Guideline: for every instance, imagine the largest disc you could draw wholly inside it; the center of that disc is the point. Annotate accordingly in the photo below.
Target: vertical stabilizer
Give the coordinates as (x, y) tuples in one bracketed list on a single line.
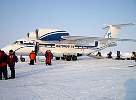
[(112, 30)]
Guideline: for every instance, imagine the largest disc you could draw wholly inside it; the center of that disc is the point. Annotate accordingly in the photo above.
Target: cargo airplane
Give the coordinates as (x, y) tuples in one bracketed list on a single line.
[(64, 46)]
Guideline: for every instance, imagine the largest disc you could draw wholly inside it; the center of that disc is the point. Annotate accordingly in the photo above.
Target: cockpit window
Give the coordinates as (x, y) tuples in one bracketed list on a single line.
[(18, 42), (21, 42)]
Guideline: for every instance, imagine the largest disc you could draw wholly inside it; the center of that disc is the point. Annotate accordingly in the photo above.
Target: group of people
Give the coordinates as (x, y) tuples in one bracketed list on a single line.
[(10, 60), (118, 57), (48, 56), (7, 60)]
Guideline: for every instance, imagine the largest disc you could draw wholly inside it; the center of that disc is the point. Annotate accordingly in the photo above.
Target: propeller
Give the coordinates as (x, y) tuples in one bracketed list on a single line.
[(36, 32), (28, 34)]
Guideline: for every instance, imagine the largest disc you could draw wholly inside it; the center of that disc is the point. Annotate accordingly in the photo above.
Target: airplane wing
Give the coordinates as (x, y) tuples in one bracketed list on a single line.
[(87, 40), (75, 38), (119, 25), (117, 39), (132, 40), (81, 39)]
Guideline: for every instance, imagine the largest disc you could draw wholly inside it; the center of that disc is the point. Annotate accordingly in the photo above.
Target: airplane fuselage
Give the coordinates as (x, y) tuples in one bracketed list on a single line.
[(62, 44)]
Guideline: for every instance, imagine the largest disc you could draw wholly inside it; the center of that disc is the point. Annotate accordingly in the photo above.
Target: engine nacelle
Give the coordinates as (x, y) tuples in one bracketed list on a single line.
[(47, 34)]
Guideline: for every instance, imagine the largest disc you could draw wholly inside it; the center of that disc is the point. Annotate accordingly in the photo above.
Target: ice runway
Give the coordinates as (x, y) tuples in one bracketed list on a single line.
[(85, 79)]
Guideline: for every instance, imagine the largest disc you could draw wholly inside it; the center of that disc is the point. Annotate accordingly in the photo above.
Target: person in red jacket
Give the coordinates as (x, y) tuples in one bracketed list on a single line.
[(12, 59), (32, 57), (48, 56), (3, 65)]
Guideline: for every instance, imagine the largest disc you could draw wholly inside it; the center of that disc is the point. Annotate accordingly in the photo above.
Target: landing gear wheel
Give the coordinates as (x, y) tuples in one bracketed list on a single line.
[(57, 58), (63, 58), (68, 58), (74, 58)]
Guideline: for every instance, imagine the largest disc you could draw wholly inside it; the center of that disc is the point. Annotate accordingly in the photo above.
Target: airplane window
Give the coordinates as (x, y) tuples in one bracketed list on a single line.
[(18, 42), (57, 45), (68, 46), (72, 46)]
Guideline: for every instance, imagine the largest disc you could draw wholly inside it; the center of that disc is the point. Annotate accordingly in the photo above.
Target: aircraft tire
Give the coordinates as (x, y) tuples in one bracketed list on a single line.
[(63, 58), (68, 58), (57, 58), (74, 58)]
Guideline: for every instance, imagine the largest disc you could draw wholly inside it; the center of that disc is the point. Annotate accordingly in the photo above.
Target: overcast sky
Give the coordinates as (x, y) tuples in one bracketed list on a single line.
[(78, 17)]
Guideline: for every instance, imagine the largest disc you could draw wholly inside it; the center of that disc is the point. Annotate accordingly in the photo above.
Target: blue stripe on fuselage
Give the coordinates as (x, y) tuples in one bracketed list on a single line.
[(54, 36)]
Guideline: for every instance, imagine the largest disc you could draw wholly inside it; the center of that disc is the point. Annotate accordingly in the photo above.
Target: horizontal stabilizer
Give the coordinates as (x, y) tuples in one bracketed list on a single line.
[(131, 40), (112, 30), (119, 25)]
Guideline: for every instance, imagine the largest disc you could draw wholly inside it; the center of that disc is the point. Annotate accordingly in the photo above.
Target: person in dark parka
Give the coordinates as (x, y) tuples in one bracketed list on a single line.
[(12, 59), (48, 56), (109, 55), (3, 65)]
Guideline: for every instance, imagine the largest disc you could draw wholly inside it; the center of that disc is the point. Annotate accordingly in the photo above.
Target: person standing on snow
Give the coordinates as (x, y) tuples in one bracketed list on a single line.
[(133, 57), (99, 54), (48, 56), (109, 55), (12, 59), (32, 57), (3, 65)]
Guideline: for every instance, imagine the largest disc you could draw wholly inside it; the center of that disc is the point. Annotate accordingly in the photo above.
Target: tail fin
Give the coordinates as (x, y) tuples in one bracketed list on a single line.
[(112, 30)]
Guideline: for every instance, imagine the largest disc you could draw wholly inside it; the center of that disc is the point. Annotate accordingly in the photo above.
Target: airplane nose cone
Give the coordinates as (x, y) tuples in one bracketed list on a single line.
[(10, 47), (7, 48)]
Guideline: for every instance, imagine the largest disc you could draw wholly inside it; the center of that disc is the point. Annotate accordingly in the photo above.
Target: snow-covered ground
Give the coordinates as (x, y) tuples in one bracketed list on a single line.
[(85, 79)]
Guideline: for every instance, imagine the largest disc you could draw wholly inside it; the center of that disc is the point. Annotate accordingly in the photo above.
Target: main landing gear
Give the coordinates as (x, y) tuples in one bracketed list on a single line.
[(68, 58)]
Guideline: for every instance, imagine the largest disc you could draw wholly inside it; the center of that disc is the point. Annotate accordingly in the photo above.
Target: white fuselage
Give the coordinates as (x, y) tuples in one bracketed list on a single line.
[(59, 42), (57, 49)]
